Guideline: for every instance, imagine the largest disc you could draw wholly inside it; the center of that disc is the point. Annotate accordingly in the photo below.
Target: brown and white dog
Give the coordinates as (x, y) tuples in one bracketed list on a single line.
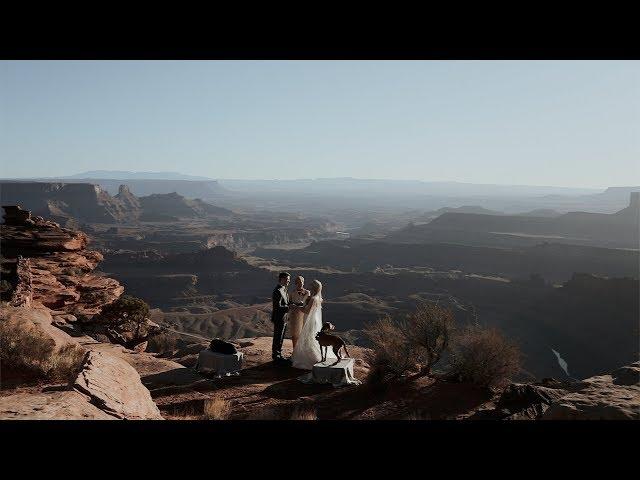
[(327, 340)]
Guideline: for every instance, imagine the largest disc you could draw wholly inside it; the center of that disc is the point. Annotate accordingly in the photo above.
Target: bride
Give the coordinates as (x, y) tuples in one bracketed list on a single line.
[(307, 350)]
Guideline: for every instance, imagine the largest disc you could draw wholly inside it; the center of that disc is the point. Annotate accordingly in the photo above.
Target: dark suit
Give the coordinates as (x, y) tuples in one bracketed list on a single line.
[(280, 304)]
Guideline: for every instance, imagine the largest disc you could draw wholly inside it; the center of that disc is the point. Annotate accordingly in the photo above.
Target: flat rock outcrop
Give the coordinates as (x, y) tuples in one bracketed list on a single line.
[(107, 386), (615, 396), (605, 397), (114, 386), (51, 405), (521, 401)]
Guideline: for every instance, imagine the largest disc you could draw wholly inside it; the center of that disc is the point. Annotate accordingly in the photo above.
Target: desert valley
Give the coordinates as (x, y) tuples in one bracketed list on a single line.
[(555, 270)]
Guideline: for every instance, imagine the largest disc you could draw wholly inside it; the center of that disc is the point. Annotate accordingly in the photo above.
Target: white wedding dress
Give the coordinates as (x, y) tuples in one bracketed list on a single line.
[(307, 352)]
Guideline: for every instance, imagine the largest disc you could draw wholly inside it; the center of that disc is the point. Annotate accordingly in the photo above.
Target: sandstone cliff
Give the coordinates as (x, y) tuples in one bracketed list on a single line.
[(88, 202), (51, 266), (48, 283)]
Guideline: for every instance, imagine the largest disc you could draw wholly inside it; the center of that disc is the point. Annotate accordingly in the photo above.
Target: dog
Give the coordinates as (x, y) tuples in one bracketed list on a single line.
[(327, 340)]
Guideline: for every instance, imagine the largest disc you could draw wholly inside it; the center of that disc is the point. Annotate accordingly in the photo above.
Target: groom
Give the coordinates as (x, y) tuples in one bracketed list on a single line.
[(280, 301)]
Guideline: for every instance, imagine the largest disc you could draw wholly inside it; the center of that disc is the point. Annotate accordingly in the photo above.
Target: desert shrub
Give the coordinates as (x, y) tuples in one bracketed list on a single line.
[(484, 356), (23, 346), (304, 413), (429, 329), (165, 342), (217, 409), (188, 412), (26, 349), (392, 354), (96, 296)]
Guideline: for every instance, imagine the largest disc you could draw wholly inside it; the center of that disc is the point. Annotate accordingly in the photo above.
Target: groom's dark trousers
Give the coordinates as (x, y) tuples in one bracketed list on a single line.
[(280, 304)]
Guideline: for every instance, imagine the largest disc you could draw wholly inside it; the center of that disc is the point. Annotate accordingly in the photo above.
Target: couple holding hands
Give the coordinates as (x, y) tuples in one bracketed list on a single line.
[(300, 309)]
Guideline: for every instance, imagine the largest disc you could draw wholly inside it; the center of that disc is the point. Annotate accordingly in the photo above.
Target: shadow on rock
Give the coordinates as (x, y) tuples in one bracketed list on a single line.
[(293, 389)]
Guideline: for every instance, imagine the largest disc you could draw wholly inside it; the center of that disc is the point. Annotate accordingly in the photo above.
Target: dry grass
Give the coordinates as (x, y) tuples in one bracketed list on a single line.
[(304, 413), (188, 412), (163, 343), (417, 415), (66, 362), (485, 357), (26, 349), (216, 409)]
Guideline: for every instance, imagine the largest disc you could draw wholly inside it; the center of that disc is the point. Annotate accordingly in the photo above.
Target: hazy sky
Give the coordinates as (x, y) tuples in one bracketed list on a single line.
[(539, 123)]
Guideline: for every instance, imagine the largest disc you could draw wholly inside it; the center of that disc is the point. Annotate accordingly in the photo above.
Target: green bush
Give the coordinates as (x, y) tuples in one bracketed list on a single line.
[(126, 308)]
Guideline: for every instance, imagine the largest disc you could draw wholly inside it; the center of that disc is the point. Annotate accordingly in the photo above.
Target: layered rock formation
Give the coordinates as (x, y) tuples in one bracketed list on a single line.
[(85, 202), (54, 269), (53, 266), (157, 207), (64, 201), (140, 187)]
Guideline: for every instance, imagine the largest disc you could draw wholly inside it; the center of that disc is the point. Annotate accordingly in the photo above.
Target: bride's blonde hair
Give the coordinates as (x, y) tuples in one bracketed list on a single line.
[(316, 286)]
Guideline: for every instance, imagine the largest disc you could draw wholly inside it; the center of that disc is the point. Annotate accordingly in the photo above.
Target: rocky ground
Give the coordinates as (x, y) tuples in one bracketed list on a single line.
[(162, 388)]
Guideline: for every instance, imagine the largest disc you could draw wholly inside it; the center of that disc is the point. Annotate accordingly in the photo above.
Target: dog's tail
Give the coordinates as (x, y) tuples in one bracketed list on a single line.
[(345, 350)]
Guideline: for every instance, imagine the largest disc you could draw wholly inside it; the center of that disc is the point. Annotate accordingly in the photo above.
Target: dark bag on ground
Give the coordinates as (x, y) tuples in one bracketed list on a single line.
[(220, 346)]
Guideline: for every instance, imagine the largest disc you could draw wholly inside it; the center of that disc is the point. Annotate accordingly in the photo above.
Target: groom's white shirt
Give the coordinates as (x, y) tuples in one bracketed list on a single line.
[(284, 293)]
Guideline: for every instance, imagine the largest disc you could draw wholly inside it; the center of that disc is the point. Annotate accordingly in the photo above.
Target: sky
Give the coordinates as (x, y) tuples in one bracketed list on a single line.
[(560, 123)]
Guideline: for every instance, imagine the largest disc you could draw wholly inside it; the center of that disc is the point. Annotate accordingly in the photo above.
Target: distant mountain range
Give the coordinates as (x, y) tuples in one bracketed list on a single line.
[(203, 189), (323, 196), (125, 175), (366, 187), (352, 186)]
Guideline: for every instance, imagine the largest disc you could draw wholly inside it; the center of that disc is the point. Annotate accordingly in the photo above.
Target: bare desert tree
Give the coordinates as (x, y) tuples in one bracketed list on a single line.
[(429, 329)]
